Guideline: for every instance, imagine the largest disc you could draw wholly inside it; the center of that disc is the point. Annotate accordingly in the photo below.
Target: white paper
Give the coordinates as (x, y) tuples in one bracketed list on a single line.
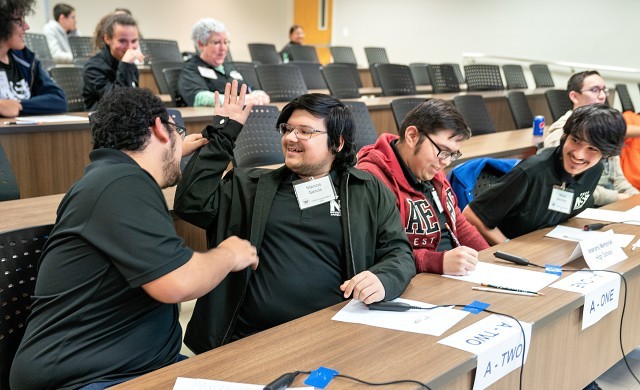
[(433, 322), (51, 119), (209, 384), (601, 252), (602, 215), (511, 277), (574, 234), (498, 343)]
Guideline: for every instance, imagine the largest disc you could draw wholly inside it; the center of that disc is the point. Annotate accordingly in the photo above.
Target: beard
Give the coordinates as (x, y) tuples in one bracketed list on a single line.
[(170, 167)]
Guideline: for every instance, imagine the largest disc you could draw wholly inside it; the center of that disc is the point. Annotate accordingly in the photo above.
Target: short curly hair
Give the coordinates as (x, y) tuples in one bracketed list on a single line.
[(123, 118), (202, 30), (9, 10)]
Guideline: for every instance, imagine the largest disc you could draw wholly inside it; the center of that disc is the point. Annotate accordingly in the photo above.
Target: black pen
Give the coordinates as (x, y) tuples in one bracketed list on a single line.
[(453, 236)]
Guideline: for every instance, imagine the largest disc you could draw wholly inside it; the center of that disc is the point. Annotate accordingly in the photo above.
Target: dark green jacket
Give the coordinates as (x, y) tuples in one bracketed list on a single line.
[(239, 205)]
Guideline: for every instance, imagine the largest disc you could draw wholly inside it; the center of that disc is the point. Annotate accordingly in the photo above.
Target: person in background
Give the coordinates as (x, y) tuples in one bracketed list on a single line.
[(25, 87), (586, 88), (411, 165), (553, 185), (98, 33), (296, 37), (207, 73), (114, 66), (58, 30)]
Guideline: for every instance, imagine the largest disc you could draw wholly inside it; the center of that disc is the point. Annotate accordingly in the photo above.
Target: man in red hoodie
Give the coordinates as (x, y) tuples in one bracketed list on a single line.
[(411, 165)]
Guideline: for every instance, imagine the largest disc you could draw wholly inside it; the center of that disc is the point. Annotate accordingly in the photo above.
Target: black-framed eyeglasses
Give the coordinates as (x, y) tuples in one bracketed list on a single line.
[(596, 90), (19, 21), (220, 42), (301, 132), (445, 154), (181, 130)]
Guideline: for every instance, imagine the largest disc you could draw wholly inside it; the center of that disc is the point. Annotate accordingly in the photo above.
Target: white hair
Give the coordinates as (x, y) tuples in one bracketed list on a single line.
[(203, 29)]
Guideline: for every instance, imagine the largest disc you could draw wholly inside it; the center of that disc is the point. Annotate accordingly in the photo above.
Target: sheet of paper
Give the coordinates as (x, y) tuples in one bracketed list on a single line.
[(51, 119), (433, 322), (209, 384), (602, 215), (499, 275), (574, 234)]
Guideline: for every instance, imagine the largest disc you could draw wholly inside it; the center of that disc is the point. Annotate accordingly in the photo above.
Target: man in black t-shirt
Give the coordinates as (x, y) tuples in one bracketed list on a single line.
[(554, 185)]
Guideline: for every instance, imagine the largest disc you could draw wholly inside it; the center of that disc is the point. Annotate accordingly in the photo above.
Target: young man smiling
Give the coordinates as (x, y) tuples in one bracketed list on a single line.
[(554, 185)]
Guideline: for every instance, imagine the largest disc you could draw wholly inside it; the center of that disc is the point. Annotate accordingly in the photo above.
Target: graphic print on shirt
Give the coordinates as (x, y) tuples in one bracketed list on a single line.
[(450, 197), (334, 208), (18, 90), (422, 220), (581, 200)]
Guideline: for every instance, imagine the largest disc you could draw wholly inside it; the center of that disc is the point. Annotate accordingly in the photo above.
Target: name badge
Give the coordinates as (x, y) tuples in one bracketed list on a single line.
[(236, 75), (207, 73), (314, 192), (561, 199)]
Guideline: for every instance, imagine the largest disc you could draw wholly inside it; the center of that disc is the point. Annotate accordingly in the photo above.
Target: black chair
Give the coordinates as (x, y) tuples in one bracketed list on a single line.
[(443, 78), (9, 189), (311, 74), (514, 76), (264, 53), (248, 72), (456, 70), (541, 75), (375, 79), (160, 50), (366, 133), (69, 78), (259, 143), (401, 107), (281, 82), (559, 102), (420, 73), (81, 48), (343, 54), (395, 80), (156, 69), (376, 55), (482, 77), (304, 53), (475, 113), (20, 251), (171, 77), (37, 43), (340, 81), (625, 98), (520, 109)]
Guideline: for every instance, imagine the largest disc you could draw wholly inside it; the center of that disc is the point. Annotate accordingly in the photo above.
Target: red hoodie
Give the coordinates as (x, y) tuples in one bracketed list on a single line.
[(380, 160)]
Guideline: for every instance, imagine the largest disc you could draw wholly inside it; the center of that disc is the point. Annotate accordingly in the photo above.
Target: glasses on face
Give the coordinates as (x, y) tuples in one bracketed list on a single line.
[(301, 132), (19, 21), (445, 154), (181, 130), (596, 90), (220, 42)]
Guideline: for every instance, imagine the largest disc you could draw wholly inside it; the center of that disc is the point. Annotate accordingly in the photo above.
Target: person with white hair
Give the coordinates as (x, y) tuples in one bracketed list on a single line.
[(207, 72)]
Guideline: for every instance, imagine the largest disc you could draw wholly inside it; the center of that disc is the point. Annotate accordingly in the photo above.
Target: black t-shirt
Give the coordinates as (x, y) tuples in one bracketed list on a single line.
[(91, 319), (13, 85), (518, 203), (301, 263)]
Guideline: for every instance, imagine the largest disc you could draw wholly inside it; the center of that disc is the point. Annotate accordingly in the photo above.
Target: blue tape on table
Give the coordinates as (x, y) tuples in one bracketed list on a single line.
[(321, 377), (475, 307), (553, 269)]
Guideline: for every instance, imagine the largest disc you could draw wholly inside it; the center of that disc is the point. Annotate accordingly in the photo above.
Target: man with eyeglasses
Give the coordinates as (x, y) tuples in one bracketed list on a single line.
[(553, 185), (411, 164), (586, 88), (325, 231), (25, 87)]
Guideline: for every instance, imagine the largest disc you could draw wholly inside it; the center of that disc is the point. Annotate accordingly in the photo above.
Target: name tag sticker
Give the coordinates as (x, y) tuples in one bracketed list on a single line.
[(207, 73), (314, 192), (236, 75), (561, 199)]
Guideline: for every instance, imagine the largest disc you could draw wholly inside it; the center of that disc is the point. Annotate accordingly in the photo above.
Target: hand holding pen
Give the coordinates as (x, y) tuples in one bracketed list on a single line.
[(461, 259)]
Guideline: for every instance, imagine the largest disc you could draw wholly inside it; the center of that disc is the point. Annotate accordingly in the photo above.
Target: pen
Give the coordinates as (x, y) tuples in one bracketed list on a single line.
[(21, 123), (453, 236), (510, 289), (497, 290)]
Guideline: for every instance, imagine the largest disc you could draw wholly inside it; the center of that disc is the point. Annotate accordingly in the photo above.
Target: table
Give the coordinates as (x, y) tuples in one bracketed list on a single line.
[(561, 355)]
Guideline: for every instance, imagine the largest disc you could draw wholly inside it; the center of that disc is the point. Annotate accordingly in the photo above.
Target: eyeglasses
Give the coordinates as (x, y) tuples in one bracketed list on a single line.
[(301, 132), (445, 154), (19, 21), (596, 90), (218, 43), (181, 130)]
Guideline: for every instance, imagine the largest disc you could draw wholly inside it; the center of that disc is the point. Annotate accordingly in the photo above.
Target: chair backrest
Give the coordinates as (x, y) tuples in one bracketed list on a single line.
[(69, 78), (514, 76), (281, 82), (366, 133), (475, 113), (9, 189), (248, 72), (259, 143), (81, 48), (395, 80), (311, 74), (401, 107), (343, 54), (20, 251), (376, 55), (160, 50), (37, 43), (520, 109), (156, 69), (541, 75), (559, 102), (475, 176), (264, 53), (458, 72), (443, 78), (339, 79), (420, 73), (375, 79), (625, 98), (171, 77), (304, 53), (483, 77)]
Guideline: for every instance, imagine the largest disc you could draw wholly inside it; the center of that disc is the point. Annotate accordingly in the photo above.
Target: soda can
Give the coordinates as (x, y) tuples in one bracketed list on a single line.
[(538, 126)]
